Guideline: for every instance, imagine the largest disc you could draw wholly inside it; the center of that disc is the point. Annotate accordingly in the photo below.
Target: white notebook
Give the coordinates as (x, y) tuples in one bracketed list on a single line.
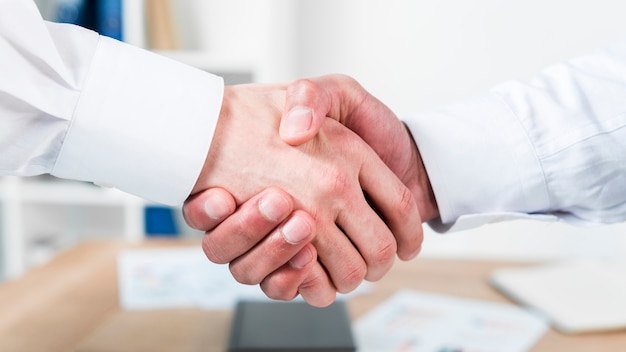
[(576, 296)]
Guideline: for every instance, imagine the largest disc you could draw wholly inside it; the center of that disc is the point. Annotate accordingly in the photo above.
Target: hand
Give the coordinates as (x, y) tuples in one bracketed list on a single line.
[(310, 101), (326, 176), (263, 221)]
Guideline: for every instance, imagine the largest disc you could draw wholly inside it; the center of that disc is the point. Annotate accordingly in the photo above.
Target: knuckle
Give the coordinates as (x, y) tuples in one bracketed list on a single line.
[(350, 84), (336, 182), (351, 278), (342, 78), (317, 290), (382, 260), (385, 253), (312, 283), (407, 205), (306, 87)]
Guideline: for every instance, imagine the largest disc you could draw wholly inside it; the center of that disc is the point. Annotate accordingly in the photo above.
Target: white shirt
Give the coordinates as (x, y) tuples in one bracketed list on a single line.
[(555, 145), (85, 107)]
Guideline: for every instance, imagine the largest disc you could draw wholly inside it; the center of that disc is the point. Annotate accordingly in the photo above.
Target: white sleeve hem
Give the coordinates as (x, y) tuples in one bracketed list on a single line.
[(471, 221)]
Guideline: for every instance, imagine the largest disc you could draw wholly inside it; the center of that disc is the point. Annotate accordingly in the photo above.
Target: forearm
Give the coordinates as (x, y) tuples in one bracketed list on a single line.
[(555, 145), (89, 108)]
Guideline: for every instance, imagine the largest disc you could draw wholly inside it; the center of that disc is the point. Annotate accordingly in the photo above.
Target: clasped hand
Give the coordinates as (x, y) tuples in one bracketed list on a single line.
[(306, 205)]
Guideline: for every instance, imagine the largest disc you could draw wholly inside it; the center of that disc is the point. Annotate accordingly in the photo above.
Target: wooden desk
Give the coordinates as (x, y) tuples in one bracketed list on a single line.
[(71, 304)]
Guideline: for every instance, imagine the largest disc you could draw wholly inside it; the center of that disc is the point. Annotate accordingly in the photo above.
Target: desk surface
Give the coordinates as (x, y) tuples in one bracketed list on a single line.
[(71, 304)]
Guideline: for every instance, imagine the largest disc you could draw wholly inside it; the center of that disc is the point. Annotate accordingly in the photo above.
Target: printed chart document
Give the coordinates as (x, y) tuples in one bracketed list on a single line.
[(177, 278), (181, 277), (577, 295), (413, 321)]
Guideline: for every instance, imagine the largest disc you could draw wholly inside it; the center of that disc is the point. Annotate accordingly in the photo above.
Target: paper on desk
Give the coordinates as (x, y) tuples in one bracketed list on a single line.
[(576, 295), (179, 278), (412, 321)]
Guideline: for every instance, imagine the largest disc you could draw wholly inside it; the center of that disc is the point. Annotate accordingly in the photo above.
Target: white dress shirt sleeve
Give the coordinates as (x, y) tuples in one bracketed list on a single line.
[(550, 148), (85, 107)]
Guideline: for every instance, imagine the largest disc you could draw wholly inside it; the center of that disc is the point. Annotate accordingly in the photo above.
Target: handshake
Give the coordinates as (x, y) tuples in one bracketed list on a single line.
[(309, 188)]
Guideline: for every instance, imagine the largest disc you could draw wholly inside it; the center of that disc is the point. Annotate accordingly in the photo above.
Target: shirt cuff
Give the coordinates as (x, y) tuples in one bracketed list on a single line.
[(143, 124), (471, 221), (479, 161)]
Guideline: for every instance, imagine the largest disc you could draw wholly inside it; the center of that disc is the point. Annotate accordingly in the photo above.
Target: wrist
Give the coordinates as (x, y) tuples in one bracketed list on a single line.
[(422, 188), (427, 204)]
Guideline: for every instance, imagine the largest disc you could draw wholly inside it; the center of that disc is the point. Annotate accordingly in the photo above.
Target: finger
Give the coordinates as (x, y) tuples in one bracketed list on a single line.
[(371, 236), (395, 203), (283, 283), (207, 209), (310, 100), (252, 221), (311, 282), (275, 250), (342, 98), (317, 289), (306, 107), (343, 262)]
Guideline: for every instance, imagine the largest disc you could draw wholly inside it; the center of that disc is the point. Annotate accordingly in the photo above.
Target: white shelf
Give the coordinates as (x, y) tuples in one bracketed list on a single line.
[(214, 62), (234, 70), (69, 192), (17, 193)]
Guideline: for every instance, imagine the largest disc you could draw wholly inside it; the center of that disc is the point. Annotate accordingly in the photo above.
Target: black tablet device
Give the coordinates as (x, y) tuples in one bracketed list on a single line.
[(290, 326)]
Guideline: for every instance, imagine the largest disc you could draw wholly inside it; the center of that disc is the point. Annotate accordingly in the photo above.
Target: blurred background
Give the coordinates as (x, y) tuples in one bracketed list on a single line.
[(412, 54)]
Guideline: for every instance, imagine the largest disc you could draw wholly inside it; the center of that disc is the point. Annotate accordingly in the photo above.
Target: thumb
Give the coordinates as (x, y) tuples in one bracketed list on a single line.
[(306, 107)]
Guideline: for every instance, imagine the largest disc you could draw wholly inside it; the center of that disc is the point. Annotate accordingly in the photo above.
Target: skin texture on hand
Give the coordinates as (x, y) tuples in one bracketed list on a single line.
[(342, 98), (334, 177), (259, 228), (244, 237)]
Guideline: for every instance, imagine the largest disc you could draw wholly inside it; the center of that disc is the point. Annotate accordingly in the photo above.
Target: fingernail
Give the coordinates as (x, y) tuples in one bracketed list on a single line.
[(301, 259), (216, 208), (295, 230), (297, 121), (273, 206)]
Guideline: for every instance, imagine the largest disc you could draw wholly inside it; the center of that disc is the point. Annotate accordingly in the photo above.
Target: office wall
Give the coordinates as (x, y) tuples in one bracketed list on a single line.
[(259, 32), (416, 54), (419, 53)]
